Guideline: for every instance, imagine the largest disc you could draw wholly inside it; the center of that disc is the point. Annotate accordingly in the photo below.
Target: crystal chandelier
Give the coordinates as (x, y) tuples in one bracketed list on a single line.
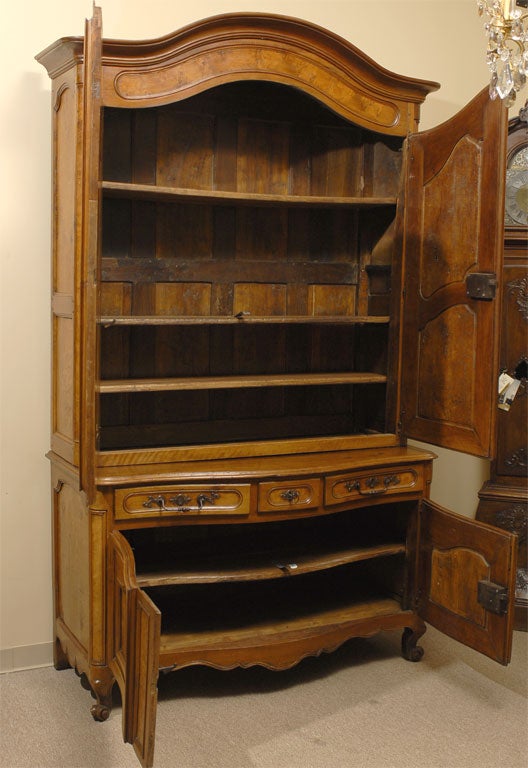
[(506, 26)]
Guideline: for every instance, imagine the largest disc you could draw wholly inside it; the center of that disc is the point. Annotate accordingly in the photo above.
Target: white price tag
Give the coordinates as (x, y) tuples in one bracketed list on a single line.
[(504, 381), (507, 396)]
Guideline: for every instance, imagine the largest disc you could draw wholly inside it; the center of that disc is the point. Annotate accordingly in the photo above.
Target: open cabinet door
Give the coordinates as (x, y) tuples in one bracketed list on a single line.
[(91, 133), (466, 580), (135, 642), (452, 257)]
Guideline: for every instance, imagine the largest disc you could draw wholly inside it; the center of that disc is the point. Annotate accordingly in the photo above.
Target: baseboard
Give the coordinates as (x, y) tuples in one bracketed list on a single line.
[(26, 657)]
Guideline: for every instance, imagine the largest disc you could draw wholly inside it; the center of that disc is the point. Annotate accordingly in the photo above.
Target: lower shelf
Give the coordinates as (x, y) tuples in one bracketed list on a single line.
[(248, 623)]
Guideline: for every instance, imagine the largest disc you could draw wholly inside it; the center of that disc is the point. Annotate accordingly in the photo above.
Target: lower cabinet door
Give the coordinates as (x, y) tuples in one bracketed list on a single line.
[(135, 650), (466, 580)]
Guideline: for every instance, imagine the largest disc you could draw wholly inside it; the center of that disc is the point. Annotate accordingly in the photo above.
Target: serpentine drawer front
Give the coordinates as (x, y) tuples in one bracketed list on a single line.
[(342, 488), (188, 500), (289, 495)]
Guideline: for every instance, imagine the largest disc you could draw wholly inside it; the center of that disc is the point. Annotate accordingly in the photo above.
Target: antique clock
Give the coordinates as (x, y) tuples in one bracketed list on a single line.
[(504, 498), (516, 202)]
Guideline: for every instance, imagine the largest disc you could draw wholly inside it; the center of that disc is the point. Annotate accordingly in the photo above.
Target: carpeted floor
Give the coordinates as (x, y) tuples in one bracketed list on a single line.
[(360, 707)]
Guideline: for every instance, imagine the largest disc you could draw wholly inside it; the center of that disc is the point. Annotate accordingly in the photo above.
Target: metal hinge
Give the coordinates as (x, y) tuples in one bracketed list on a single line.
[(493, 597), (481, 285)]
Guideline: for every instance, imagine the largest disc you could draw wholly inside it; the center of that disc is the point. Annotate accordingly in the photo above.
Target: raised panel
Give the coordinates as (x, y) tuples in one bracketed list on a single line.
[(455, 574), (453, 229), (289, 495), (182, 299), (450, 198), (450, 335), (63, 388), (372, 485), (264, 299), (182, 500), (456, 556), (332, 300), (64, 214)]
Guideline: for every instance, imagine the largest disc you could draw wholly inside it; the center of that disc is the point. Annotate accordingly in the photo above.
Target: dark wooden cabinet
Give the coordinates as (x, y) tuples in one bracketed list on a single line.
[(504, 497), (264, 281)]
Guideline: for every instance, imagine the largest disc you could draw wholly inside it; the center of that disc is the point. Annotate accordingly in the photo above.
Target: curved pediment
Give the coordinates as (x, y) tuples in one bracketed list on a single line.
[(234, 47)]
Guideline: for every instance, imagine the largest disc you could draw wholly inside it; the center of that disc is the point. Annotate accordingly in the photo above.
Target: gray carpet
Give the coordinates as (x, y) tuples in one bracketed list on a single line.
[(361, 707)]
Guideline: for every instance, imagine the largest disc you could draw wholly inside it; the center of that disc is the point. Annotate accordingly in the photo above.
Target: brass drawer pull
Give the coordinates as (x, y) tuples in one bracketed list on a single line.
[(181, 502), (203, 498), (155, 501), (290, 495), (372, 484)]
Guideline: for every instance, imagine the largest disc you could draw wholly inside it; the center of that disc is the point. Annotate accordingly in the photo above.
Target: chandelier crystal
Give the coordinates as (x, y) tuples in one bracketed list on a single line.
[(506, 27)]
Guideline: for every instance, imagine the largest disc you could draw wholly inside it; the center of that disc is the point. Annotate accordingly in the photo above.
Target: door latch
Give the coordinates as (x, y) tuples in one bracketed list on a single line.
[(493, 597), (481, 285)]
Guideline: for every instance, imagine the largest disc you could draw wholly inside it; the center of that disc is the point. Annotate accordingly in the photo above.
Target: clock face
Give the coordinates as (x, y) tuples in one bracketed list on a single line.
[(516, 202)]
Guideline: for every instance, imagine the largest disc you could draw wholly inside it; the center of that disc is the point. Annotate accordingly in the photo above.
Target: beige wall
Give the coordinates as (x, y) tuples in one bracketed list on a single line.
[(435, 40)]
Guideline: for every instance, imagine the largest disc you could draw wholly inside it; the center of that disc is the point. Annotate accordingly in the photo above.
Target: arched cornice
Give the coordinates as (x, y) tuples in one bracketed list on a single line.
[(246, 46)]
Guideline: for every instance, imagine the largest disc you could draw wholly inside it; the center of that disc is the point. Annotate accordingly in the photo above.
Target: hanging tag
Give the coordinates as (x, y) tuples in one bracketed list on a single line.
[(507, 397), (504, 381)]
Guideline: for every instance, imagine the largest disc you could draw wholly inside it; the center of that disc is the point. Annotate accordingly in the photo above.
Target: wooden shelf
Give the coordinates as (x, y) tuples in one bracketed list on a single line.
[(265, 565), (113, 320), (237, 382), (259, 613), (155, 193), (265, 633)]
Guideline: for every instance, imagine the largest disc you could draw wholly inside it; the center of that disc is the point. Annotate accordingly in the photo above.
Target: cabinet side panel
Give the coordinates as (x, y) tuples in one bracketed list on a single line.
[(65, 243), (65, 137), (73, 564)]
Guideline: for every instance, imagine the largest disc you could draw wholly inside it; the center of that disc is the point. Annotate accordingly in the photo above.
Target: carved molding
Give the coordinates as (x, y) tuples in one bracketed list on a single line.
[(514, 519), (518, 458), (520, 287), (58, 96)]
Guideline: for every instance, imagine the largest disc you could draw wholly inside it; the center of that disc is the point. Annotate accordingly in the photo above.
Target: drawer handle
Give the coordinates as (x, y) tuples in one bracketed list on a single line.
[(181, 502), (155, 501), (290, 495), (203, 498), (372, 484)]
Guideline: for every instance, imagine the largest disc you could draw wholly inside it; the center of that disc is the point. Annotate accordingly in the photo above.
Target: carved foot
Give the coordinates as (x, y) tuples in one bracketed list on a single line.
[(101, 690), (410, 650), (100, 712)]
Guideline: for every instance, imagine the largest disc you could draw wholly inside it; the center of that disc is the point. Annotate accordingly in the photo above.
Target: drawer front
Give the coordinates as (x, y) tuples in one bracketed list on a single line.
[(188, 500), (289, 495), (362, 485)]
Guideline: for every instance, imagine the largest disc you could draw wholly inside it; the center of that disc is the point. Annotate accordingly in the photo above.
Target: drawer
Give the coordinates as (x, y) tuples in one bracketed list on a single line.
[(188, 500), (360, 485), (289, 495)]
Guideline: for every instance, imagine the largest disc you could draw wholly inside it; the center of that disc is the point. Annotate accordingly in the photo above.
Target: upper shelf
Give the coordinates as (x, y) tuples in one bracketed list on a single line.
[(242, 319), (108, 386), (254, 199)]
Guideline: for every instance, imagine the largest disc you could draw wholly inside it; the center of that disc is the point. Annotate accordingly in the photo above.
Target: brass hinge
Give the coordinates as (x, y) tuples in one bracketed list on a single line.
[(493, 597)]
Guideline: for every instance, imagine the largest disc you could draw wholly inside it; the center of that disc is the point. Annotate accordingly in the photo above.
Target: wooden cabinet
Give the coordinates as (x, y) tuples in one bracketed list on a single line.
[(264, 281)]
